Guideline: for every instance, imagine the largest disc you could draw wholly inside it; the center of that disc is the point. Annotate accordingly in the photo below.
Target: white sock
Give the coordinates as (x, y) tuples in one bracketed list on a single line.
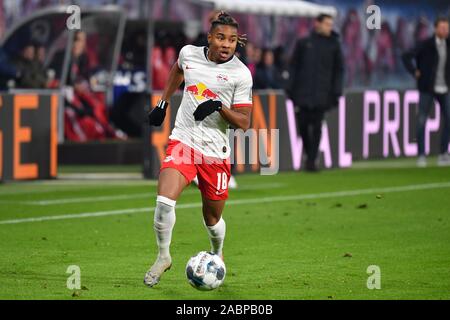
[(164, 220), (216, 236)]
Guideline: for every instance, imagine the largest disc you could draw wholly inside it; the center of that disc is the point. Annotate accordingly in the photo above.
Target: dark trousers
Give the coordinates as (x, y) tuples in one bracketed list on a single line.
[(310, 127), (426, 101)]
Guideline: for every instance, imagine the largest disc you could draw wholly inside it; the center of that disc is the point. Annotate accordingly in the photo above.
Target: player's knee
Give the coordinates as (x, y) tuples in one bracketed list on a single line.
[(165, 211), (165, 202), (171, 183), (216, 228), (211, 220)]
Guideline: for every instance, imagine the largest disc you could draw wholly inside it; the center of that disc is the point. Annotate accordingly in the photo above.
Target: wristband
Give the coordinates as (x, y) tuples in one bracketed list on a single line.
[(162, 104)]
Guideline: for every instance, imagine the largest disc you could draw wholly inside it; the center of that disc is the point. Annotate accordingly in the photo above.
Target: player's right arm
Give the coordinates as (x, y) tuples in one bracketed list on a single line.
[(176, 77)]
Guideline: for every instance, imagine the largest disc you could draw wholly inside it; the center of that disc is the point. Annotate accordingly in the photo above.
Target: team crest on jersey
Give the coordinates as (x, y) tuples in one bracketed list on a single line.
[(222, 78), (202, 92)]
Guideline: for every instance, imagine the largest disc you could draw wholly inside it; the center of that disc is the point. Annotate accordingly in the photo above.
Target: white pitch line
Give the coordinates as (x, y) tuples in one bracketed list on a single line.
[(88, 199), (127, 196), (345, 193), (65, 186)]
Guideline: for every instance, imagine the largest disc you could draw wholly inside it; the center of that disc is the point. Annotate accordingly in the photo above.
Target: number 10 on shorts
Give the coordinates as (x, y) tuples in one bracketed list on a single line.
[(222, 181)]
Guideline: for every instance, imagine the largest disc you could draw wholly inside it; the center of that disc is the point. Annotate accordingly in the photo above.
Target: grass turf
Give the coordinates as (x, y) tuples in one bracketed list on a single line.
[(317, 248)]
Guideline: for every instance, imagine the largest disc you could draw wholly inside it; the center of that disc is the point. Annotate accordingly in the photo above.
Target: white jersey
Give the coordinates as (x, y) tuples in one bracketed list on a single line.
[(230, 82)]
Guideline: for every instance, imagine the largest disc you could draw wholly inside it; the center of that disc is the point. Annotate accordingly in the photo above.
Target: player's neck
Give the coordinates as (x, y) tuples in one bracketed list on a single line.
[(208, 56)]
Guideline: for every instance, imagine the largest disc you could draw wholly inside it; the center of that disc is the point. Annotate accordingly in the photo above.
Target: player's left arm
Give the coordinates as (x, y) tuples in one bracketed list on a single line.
[(239, 113), (238, 118)]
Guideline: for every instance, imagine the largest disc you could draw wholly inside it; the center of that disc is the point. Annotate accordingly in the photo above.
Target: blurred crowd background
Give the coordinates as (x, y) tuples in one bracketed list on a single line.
[(372, 57)]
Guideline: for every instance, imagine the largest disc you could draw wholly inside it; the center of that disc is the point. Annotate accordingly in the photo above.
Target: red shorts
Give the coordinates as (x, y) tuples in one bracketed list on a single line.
[(213, 173)]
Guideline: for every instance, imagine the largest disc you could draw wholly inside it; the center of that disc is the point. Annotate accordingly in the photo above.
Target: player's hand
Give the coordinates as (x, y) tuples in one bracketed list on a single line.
[(157, 115), (206, 108)]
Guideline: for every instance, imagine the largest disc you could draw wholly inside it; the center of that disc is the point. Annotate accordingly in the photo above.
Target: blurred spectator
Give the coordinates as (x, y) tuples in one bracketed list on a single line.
[(2, 24), (170, 56), (78, 64), (402, 40), (202, 38), (131, 84), (250, 58), (41, 54), (303, 27), (8, 71), (85, 115), (316, 83), (267, 75), (385, 62), (32, 72), (160, 69), (257, 57), (135, 51), (421, 31), (282, 64), (429, 63), (416, 17), (168, 42), (352, 45)]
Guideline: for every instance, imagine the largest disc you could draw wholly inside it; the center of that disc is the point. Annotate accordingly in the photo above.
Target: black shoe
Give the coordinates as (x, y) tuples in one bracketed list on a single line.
[(311, 167)]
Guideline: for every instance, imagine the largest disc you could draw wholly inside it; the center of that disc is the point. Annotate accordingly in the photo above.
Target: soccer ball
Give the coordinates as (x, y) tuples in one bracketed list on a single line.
[(205, 271)]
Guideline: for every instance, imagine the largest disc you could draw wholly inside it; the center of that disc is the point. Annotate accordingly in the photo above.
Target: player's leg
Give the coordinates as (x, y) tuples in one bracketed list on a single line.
[(213, 184), (174, 177), (171, 184), (214, 224)]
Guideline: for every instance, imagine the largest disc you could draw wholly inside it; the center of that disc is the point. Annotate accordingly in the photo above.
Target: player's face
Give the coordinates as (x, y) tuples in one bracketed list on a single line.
[(222, 43)]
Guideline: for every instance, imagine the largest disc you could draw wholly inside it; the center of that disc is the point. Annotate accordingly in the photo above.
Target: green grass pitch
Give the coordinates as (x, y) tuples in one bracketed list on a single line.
[(289, 236)]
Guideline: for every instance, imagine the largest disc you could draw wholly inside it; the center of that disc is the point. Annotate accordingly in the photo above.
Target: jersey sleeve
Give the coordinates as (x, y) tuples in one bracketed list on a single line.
[(182, 56), (243, 95)]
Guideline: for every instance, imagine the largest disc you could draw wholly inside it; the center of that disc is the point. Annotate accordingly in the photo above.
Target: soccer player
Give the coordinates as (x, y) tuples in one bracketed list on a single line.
[(217, 94)]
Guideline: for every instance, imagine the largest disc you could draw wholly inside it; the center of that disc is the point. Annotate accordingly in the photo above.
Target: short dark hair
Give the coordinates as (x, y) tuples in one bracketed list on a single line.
[(323, 16), (439, 20), (224, 19)]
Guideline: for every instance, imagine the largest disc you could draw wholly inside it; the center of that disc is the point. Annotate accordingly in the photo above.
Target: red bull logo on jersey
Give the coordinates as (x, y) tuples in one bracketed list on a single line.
[(201, 92)]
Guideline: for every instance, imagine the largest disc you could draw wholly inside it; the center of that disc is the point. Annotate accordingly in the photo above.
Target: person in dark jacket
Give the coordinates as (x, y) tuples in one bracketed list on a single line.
[(316, 80), (429, 63), (33, 74)]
